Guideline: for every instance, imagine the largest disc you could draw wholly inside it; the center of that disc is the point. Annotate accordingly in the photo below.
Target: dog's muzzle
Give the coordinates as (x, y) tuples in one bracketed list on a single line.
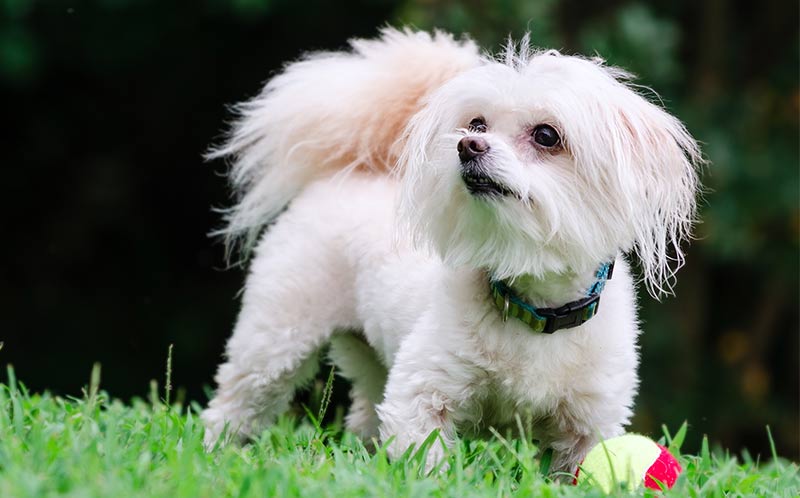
[(471, 152)]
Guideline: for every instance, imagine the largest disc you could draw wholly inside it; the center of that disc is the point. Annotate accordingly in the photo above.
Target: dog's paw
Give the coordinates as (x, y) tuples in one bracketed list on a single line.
[(436, 459), (215, 428)]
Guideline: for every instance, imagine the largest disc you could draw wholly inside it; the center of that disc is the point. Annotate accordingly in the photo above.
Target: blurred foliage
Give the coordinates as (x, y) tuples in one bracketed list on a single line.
[(109, 104)]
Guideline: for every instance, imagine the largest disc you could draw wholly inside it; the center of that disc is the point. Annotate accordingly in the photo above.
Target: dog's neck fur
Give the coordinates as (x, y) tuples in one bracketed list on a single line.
[(553, 289)]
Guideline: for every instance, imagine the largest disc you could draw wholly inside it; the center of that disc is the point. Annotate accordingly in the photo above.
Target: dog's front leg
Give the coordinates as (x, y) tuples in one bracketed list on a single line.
[(428, 386)]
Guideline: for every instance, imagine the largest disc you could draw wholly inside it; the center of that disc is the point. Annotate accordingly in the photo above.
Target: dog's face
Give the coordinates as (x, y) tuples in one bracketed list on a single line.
[(548, 163)]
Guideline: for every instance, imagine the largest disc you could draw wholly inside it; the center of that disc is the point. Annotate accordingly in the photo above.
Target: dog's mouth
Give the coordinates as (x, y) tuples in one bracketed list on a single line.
[(479, 184)]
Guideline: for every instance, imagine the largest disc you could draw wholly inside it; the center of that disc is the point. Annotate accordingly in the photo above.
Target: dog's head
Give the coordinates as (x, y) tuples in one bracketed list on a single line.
[(549, 163)]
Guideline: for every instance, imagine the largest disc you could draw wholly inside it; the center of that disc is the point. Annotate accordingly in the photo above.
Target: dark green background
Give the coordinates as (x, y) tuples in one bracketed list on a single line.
[(108, 105)]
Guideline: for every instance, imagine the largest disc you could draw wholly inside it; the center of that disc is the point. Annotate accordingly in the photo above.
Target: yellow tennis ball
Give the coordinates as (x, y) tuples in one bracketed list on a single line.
[(631, 460)]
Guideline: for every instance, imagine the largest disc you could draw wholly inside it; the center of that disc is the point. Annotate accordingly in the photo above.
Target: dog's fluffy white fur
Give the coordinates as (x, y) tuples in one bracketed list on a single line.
[(392, 270)]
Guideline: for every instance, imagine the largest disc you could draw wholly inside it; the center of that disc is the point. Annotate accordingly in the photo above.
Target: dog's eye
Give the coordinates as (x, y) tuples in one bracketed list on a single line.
[(546, 136), (477, 125)]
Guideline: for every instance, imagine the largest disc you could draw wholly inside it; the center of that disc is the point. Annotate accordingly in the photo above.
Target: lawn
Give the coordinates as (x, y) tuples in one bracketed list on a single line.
[(98, 446)]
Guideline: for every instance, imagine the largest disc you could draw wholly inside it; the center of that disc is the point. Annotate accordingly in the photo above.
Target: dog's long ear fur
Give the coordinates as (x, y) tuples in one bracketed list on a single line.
[(328, 113), (645, 161), (664, 160)]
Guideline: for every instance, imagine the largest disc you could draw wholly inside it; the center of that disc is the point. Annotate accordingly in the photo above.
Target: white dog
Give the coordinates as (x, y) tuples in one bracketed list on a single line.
[(464, 289)]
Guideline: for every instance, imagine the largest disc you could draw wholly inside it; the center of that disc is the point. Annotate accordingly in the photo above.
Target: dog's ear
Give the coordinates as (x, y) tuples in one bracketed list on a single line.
[(664, 159), (413, 169)]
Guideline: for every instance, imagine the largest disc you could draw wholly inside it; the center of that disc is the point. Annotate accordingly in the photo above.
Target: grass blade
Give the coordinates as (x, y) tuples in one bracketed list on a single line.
[(677, 440), (775, 458), (168, 380)]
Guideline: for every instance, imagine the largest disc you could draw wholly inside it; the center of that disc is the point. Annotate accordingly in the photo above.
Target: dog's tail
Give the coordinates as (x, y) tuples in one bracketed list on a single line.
[(327, 113)]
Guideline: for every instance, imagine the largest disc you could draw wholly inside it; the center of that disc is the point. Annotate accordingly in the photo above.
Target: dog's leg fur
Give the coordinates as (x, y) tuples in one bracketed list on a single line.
[(428, 387), (357, 362), (579, 422), (571, 439), (247, 400), (297, 295)]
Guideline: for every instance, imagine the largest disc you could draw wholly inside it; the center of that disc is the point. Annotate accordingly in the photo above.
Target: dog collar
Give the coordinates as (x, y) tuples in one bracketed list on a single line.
[(548, 320)]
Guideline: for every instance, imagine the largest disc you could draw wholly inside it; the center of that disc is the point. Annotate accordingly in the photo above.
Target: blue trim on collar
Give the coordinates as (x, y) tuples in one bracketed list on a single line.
[(603, 275)]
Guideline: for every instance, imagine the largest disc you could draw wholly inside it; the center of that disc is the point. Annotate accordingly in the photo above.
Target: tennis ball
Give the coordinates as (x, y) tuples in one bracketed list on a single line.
[(631, 460)]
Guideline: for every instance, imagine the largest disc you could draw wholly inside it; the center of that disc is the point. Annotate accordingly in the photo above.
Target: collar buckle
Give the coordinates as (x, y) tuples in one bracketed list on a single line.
[(570, 315)]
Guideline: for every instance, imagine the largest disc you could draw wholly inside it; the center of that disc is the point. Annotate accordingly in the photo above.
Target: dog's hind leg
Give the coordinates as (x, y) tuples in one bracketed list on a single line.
[(248, 398), (358, 362), (296, 295)]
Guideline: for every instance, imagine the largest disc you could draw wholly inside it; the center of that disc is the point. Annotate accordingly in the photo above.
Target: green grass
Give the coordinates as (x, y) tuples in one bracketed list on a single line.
[(97, 446)]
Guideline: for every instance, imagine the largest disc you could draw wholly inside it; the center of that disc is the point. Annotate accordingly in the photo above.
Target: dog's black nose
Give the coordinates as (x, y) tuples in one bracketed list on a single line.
[(471, 147)]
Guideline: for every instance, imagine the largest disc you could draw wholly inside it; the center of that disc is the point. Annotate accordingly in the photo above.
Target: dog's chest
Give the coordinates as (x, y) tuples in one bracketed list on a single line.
[(502, 405), (527, 373)]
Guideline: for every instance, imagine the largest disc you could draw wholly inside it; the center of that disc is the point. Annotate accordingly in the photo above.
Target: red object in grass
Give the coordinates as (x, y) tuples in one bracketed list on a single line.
[(665, 469)]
